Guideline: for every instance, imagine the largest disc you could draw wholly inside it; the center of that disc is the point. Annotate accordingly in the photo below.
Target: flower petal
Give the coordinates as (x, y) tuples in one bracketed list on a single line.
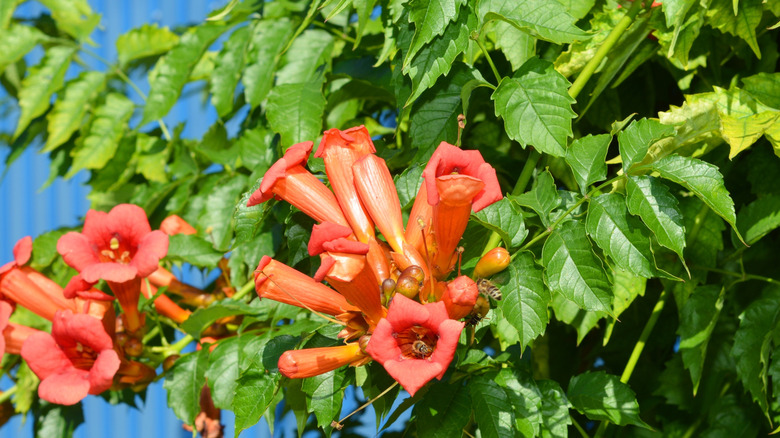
[(413, 374), (67, 387), (101, 376), (77, 250), (382, 346), (69, 329), (325, 232), (22, 250), (449, 333), (76, 286), (151, 248), (115, 272), (43, 355), (404, 313)]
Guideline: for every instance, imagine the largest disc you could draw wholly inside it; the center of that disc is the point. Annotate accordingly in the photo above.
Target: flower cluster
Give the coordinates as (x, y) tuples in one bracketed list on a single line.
[(390, 293), (89, 349)]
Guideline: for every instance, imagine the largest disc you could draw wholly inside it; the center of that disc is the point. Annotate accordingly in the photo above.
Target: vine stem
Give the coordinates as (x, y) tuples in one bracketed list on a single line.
[(741, 276), (638, 347), (368, 403), (6, 395), (478, 38), (115, 69), (606, 46), (245, 289)]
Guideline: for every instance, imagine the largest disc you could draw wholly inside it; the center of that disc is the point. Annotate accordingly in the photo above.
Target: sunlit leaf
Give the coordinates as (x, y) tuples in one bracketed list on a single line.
[(144, 41), (547, 20), (525, 298), (635, 140), (573, 270), (17, 41), (430, 18), (602, 396), (305, 59), (536, 107), (267, 40), (295, 112), (587, 158), (41, 83), (68, 112), (542, 198), (75, 17), (492, 409), (742, 24), (184, 382), (649, 198)]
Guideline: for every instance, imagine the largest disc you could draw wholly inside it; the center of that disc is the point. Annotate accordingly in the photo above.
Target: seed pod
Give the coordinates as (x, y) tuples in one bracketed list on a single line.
[(169, 361), (496, 260), (133, 347), (408, 286), (415, 272), (387, 290)]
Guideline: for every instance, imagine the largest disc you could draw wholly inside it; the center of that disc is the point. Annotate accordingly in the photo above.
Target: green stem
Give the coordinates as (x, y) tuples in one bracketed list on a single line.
[(742, 276), (245, 289), (478, 38), (605, 48), (115, 69), (638, 347), (6, 395), (568, 212), (579, 428)]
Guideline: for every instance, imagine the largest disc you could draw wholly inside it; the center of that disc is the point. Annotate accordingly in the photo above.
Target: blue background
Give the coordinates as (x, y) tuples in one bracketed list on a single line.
[(28, 210)]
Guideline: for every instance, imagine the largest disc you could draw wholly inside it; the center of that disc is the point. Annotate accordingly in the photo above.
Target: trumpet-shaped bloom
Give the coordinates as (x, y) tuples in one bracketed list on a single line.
[(174, 224), (340, 150), (76, 359), (279, 282), (448, 160), (289, 180), (119, 247), (297, 364), (415, 343)]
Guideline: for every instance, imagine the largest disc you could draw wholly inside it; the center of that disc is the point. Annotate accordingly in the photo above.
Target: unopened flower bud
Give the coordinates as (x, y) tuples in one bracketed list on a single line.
[(133, 347), (496, 260), (460, 297), (408, 286), (169, 361)]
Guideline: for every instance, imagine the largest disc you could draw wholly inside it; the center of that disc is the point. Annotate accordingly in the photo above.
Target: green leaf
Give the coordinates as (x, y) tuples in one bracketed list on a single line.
[(254, 395), (526, 400), (57, 421), (75, 17), (622, 237), (173, 70), (516, 45), (41, 83), (295, 111), (222, 373), (17, 41), (141, 42), (697, 321), (6, 13), (764, 87), (227, 71), (543, 19), (184, 383), (434, 116), (216, 217), (26, 389), (570, 313), (758, 218), (703, 179), (578, 8), (635, 140), (431, 19), (587, 158), (151, 155), (192, 249), (649, 198), (202, 318), (752, 344), (216, 146), (100, 141), (444, 411), (742, 24), (625, 287), (306, 54), (536, 107), (247, 220), (542, 198), (492, 409), (573, 270), (68, 112), (555, 410), (743, 120), (268, 39), (439, 56), (408, 183), (602, 396), (45, 249), (525, 298), (704, 231), (502, 218), (324, 394)]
